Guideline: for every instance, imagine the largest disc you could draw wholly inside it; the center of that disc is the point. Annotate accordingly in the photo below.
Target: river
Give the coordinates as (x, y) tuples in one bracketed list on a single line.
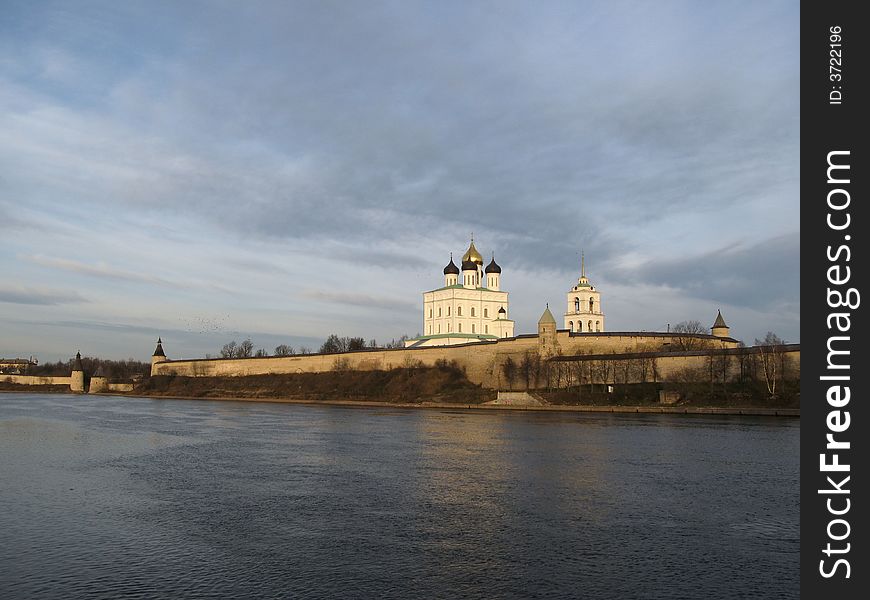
[(109, 497)]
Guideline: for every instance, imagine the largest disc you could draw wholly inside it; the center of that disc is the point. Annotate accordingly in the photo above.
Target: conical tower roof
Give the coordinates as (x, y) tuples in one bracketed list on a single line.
[(159, 350), (547, 317), (720, 322), (77, 363)]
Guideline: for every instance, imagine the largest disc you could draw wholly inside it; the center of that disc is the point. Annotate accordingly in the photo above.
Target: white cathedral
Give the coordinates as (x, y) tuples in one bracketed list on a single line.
[(476, 309), (473, 310)]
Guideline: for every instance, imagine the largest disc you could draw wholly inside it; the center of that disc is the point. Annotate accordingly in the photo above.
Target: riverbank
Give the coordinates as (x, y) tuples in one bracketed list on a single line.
[(444, 387), (648, 409), (37, 389), (661, 409)]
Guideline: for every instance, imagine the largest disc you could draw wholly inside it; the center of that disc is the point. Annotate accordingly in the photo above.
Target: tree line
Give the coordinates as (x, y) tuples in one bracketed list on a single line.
[(113, 369), (334, 344)]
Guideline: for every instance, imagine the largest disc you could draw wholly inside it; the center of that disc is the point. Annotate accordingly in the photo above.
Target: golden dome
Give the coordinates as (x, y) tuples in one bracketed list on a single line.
[(472, 254)]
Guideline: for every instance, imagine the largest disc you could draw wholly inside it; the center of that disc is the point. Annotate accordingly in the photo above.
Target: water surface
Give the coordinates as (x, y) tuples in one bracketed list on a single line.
[(110, 497)]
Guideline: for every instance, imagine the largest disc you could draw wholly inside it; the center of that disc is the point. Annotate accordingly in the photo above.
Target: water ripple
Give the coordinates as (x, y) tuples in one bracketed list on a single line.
[(138, 498)]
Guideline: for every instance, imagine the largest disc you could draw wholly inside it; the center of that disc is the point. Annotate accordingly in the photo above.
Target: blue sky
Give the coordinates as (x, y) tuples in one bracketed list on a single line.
[(209, 171)]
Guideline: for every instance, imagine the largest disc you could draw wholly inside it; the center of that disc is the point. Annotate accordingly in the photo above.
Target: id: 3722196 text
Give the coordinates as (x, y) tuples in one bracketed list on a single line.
[(835, 65)]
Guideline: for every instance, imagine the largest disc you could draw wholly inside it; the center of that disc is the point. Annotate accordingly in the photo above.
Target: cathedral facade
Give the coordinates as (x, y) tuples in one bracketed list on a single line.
[(469, 307)]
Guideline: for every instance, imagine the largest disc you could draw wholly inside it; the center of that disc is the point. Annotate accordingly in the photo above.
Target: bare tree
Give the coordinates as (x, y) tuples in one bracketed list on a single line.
[(686, 332), (260, 353), (577, 372), (341, 364), (721, 364), (245, 349), (333, 345), (770, 353), (355, 344), (283, 350), (229, 350), (527, 367), (397, 343), (509, 368)]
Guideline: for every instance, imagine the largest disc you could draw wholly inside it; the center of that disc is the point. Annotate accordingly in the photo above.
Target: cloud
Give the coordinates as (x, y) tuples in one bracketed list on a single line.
[(104, 271), (39, 296), (765, 272), (101, 270), (182, 144), (362, 300)]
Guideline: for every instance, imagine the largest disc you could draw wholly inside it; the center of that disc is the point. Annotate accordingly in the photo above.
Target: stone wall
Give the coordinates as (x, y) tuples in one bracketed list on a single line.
[(482, 361), (35, 380), (728, 364)]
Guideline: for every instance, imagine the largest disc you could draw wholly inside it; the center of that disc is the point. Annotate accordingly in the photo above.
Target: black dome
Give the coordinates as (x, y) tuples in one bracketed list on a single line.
[(502, 311), (451, 268), (469, 265), (492, 267)]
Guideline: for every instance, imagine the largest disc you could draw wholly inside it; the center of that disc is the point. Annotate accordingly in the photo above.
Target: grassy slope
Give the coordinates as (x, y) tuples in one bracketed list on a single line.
[(435, 384)]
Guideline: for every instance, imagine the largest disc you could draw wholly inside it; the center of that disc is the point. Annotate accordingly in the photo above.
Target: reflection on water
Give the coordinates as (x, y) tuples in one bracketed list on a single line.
[(106, 496)]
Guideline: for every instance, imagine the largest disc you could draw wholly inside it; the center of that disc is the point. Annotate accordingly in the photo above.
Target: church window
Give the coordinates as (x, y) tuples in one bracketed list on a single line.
[(439, 311), (580, 326), (448, 311), (576, 304), (485, 312), (472, 328), (458, 311), (570, 325), (591, 304), (449, 328), (597, 326), (430, 313), (472, 311), (486, 328), (589, 324), (460, 328), (439, 327)]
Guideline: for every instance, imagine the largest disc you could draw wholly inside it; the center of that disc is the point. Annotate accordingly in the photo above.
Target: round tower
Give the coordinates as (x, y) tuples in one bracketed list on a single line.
[(469, 274), (451, 273), (493, 274), (547, 333), (99, 382), (77, 377), (159, 356), (720, 329)]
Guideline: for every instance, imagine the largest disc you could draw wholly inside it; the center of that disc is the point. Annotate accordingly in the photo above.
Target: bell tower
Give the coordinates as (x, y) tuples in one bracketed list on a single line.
[(583, 313)]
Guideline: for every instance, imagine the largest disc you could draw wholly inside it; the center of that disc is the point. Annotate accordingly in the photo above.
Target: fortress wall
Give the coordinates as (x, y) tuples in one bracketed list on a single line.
[(697, 366), (481, 361), (35, 380), (601, 343)]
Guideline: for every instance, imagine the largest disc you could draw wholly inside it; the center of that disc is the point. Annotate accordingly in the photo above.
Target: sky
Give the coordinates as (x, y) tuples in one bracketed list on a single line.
[(281, 171)]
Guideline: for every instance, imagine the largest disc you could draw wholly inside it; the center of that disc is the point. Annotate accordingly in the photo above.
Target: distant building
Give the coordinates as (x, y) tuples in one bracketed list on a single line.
[(17, 366), (583, 314), (470, 307)]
